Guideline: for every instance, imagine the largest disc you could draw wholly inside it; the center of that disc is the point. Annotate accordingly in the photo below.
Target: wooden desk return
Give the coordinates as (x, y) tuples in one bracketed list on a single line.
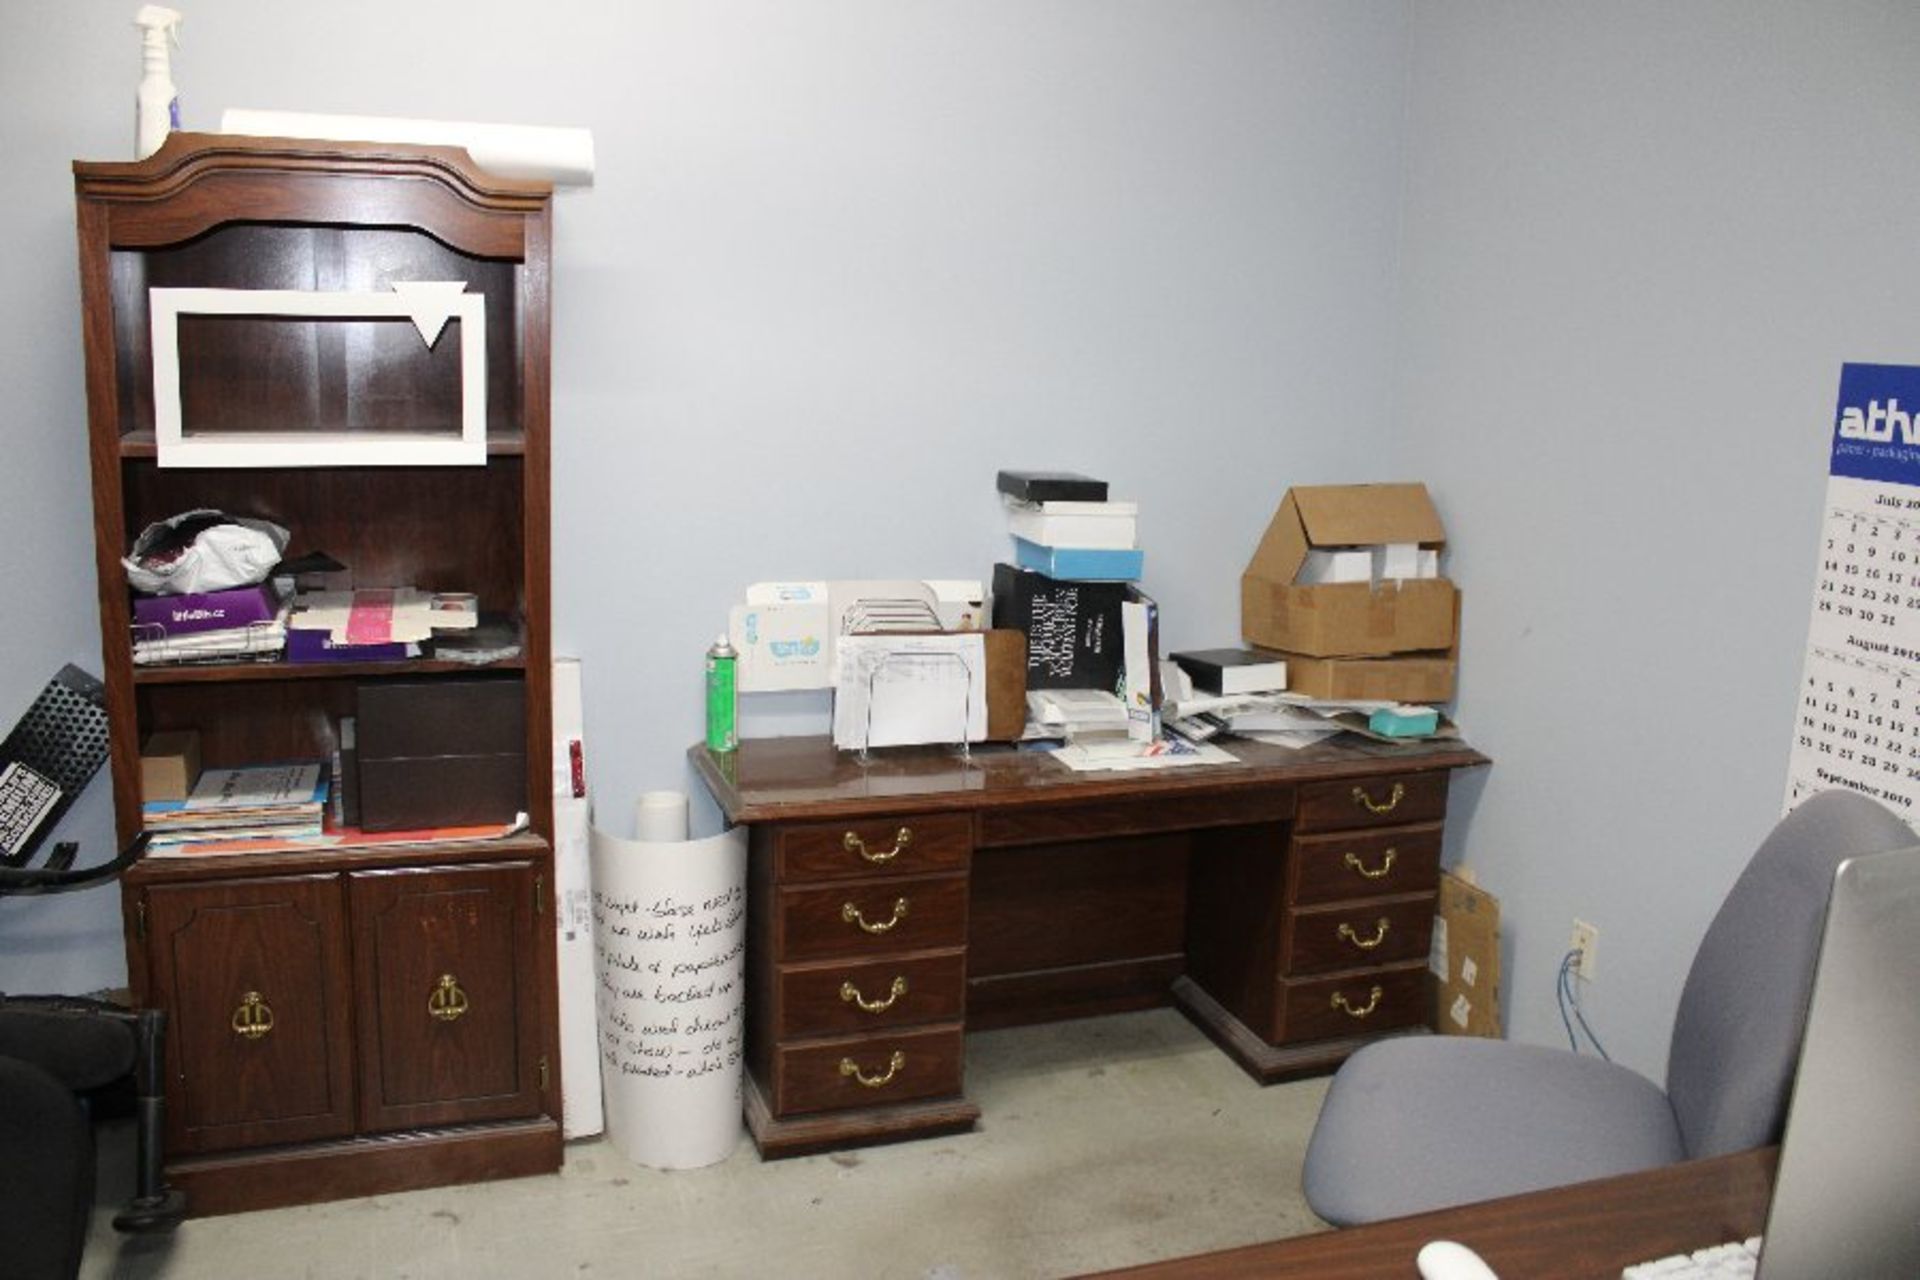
[(1586, 1232), (1284, 903)]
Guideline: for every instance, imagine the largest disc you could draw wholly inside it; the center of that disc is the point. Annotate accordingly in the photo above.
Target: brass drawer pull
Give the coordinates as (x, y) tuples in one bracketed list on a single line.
[(854, 844), (850, 994), (1367, 802), (254, 1017), (848, 1067), (1348, 932), (1340, 1002), (1372, 873), (851, 914), (447, 1001)]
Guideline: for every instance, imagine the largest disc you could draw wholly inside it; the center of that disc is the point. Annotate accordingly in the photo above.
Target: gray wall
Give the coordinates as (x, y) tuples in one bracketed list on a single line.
[(843, 261), (1640, 241)]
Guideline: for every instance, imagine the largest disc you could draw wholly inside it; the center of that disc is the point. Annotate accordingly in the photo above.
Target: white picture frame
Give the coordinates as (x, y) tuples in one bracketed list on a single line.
[(429, 304)]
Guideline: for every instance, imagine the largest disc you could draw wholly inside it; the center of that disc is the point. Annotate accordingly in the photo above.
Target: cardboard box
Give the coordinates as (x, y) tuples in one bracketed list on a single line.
[(1347, 619), (1465, 959), (1419, 677), (1006, 685), (169, 765)]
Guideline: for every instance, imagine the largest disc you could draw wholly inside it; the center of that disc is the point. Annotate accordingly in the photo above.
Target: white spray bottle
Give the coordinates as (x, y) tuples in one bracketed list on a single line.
[(157, 102)]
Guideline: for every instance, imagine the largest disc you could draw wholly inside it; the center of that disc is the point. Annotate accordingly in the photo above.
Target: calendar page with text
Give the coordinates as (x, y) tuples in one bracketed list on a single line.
[(1858, 720)]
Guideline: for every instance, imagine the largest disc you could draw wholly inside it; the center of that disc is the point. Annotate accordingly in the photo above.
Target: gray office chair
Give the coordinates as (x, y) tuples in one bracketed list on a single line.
[(1422, 1123)]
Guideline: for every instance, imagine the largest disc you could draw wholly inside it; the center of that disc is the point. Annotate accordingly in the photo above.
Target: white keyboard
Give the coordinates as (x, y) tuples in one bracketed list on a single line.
[(1734, 1260)]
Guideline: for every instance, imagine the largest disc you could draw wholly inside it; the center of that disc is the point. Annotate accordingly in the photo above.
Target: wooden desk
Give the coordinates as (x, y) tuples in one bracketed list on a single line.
[(1585, 1232), (1284, 902)]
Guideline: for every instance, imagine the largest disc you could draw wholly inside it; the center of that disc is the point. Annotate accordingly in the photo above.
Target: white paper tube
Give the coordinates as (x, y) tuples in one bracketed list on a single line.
[(670, 944), (660, 816), (562, 156), (579, 1021)]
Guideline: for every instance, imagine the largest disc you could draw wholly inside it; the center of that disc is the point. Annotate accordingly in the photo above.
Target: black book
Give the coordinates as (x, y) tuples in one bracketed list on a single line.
[(1073, 628), (1052, 486), (1225, 671)]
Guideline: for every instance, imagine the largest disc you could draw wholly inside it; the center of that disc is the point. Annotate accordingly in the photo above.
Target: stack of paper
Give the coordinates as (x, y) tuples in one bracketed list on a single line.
[(1165, 753), (1078, 715), (260, 802)]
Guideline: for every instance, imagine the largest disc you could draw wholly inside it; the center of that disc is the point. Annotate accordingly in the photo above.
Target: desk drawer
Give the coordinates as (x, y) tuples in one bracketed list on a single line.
[(1387, 799), (866, 919), (848, 998), (875, 846), (1378, 932), (868, 1071), (1356, 1003), (1334, 868)]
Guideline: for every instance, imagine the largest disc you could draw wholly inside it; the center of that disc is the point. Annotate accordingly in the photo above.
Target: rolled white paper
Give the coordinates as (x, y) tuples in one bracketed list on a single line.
[(560, 155), (660, 815), (670, 944)]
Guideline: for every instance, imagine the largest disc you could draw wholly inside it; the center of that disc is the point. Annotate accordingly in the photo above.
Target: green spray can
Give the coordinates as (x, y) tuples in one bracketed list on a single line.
[(723, 729)]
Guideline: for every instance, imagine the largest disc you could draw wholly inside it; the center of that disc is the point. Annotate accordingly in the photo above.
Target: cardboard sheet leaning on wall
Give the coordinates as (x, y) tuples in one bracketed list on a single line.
[(1465, 959)]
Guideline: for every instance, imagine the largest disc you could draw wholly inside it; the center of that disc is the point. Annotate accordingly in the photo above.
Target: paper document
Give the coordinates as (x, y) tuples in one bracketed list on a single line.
[(900, 690), (1290, 738), (1167, 753)]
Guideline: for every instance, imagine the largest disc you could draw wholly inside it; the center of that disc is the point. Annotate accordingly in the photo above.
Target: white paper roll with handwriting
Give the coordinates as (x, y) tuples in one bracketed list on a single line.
[(670, 944)]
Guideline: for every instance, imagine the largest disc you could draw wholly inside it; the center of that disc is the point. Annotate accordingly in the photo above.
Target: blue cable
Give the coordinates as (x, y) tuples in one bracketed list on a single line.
[(1560, 994), (1568, 996)]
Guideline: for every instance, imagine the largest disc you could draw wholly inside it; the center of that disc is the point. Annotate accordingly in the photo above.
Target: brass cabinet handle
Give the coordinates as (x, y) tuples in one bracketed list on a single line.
[(1340, 1002), (446, 1001), (851, 914), (854, 844), (848, 1067), (850, 994), (1348, 932), (1372, 873), (254, 1017), (1367, 802)]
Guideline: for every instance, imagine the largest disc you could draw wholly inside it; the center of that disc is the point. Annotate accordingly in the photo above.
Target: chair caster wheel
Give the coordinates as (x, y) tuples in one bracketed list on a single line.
[(145, 1215)]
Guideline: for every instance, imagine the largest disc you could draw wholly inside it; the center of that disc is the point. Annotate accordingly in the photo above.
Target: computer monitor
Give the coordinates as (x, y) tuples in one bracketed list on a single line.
[(1846, 1198)]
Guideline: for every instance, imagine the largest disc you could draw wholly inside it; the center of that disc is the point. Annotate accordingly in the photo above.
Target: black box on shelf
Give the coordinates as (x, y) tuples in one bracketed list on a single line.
[(441, 753)]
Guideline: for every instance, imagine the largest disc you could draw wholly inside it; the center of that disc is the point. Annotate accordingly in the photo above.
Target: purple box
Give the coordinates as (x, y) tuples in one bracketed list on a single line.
[(316, 646), (157, 617)]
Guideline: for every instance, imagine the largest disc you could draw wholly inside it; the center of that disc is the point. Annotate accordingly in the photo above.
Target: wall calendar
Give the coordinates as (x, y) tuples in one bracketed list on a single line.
[(1858, 719)]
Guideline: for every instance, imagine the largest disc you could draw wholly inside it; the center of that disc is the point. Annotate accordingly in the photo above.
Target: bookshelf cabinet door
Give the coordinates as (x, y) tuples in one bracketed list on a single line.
[(446, 975), (253, 975)]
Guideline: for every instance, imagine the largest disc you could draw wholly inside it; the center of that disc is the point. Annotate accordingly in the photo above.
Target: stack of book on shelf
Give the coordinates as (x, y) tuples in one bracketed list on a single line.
[(1064, 526), (210, 626), (232, 806)]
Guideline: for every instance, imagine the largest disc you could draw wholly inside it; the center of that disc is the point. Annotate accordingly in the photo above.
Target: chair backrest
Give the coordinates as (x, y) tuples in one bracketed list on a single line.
[(1737, 1033)]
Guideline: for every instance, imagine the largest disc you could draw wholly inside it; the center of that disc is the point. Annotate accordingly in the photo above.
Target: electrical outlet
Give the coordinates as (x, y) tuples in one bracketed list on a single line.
[(1586, 942)]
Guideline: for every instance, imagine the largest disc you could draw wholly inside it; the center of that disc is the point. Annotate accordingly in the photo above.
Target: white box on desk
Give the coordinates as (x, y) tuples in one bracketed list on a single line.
[(784, 637)]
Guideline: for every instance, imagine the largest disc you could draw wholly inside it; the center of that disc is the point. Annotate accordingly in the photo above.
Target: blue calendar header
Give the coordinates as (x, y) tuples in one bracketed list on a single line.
[(1876, 428)]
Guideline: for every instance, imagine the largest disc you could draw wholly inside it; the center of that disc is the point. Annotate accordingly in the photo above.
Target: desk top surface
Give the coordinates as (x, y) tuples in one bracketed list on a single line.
[(1568, 1233), (796, 779)]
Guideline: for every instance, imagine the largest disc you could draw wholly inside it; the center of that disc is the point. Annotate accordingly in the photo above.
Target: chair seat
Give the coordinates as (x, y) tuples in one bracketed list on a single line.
[(1423, 1123), (80, 1049)]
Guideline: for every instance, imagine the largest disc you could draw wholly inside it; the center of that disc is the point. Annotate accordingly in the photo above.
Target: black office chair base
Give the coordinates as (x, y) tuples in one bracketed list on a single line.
[(150, 1215)]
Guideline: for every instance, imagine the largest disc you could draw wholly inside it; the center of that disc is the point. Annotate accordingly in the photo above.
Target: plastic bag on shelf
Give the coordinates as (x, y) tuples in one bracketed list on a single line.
[(204, 550)]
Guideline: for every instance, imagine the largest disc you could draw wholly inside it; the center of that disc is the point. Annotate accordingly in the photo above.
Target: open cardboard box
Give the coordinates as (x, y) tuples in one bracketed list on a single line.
[(1423, 678), (1347, 619)]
